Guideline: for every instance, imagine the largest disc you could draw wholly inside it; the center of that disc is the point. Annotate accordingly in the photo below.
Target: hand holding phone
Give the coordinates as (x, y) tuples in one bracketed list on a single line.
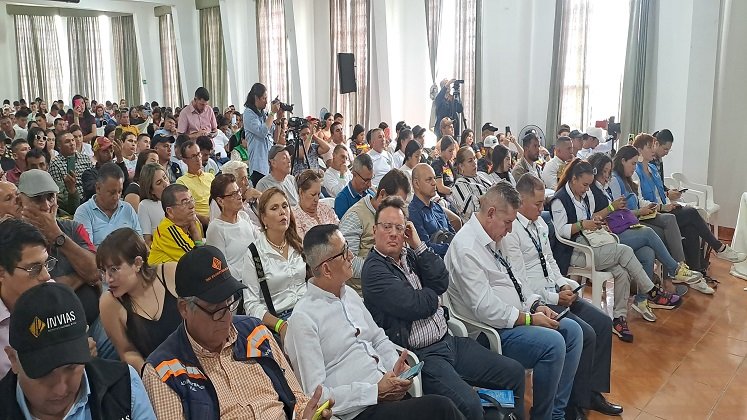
[(562, 314), (412, 372), (320, 411), (580, 286)]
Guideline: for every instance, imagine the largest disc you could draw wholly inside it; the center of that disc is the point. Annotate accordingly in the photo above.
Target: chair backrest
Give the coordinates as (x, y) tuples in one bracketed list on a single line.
[(330, 201)]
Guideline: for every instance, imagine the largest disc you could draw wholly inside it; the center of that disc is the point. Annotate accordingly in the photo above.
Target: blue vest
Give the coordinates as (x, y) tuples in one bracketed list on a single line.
[(176, 364), (630, 197), (650, 184), (563, 252), (601, 199)]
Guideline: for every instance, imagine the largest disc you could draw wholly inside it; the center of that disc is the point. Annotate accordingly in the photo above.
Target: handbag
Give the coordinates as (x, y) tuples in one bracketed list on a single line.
[(620, 220), (598, 238)]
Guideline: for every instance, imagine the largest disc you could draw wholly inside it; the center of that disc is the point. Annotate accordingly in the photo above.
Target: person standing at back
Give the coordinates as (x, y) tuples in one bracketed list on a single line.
[(259, 129)]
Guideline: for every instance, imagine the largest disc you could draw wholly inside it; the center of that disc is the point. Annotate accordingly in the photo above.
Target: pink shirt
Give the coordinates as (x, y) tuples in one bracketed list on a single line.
[(304, 221), (190, 120)]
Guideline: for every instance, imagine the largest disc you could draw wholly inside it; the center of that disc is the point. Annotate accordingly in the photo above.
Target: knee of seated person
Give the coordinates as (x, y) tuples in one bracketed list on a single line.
[(573, 331), (437, 406)]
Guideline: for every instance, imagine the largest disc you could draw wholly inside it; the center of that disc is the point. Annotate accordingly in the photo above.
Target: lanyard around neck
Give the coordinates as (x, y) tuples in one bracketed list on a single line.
[(538, 247), (507, 266)]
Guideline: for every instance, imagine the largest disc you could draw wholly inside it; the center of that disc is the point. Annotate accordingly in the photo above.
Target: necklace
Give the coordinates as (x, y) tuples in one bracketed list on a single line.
[(278, 247), (158, 305)]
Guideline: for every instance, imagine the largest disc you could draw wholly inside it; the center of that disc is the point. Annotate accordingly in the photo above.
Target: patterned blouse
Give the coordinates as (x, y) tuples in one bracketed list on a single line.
[(304, 221)]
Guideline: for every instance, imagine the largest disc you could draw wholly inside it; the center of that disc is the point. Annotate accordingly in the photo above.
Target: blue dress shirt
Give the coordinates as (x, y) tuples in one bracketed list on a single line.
[(429, 219)]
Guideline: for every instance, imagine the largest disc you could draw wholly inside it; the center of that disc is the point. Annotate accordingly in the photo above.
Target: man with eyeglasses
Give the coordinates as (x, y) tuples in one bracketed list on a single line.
[(333, 340), (197, 180), (217, 365), (180, 230), (402, 288), (358, 187), (70, 244), (24, 263)]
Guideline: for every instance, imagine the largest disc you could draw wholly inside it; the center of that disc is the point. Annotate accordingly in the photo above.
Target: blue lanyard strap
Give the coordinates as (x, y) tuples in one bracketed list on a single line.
[(538, 247), (507, 266)]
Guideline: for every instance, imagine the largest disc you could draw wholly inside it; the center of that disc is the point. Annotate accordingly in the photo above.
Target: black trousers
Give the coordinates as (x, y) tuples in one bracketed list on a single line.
[(427, 407), (593, 373), (693, 228)]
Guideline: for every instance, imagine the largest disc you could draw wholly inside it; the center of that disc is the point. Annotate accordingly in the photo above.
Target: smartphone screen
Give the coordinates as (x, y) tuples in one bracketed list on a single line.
[(508, 130), (412, 372), (71, 164)]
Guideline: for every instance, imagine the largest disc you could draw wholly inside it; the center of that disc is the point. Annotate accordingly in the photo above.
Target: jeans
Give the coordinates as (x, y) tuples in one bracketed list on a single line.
[(433, 407), (665, 225), (455, 364), (593, 373), (554, 356), (104, 346), (646, 237)]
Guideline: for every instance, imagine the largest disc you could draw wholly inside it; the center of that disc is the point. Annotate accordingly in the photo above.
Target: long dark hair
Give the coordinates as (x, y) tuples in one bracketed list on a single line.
[(257, 90), (86, 112), (598, 161), (465, 134), (575, 169), (625, 153), (498, 156), (142, 157)]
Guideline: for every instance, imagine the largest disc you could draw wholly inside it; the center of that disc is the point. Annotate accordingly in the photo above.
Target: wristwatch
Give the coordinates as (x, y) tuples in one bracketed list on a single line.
[(60, 241)]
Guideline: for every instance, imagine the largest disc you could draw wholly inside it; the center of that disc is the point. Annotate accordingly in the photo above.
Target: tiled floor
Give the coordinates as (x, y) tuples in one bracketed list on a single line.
[(689, 364)]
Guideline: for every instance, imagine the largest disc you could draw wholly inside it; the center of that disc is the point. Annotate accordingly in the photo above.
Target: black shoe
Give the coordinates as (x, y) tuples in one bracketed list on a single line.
[(600, 404), (574, 413)]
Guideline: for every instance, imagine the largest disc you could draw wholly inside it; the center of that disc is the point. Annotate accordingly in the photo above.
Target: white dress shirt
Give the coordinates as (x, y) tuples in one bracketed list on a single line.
[(399, 159), (550, 172), (334, 182), (560, 217), (480, 287), (336, 343), (525, 260), (382, 163), (286, 279)]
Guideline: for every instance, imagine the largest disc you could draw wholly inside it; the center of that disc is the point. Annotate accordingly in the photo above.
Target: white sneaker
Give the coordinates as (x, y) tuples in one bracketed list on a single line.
[(702, 287), (729, 254)]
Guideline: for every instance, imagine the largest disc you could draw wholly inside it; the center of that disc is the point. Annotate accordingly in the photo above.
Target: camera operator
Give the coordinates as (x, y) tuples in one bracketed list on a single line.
[(259, 129), (447, 106), (313, 147)]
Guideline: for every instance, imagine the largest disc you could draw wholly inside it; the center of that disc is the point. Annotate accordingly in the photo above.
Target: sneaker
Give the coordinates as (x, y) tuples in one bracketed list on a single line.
[(685, 275), (681, 289), (641, 305), (702, 287), (621, 330), (729, 254), (660, 299)]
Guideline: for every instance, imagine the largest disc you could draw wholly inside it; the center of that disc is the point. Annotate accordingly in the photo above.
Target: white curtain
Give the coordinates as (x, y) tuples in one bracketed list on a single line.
[(214, 67), (39, 68), (350, 33), (273, 51), (465, 56), (84, 48), (127, 64), (433, 10), (172, 87)]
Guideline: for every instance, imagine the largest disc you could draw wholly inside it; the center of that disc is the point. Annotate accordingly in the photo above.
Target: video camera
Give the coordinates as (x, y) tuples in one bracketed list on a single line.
[(283, 107)]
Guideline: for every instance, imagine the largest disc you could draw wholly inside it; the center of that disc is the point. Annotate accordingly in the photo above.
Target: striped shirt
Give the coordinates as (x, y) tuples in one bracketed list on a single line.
[(465, 195), (170, 242)]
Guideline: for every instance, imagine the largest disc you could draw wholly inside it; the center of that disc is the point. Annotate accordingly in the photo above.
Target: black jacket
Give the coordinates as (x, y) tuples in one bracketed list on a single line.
[(391, 299), (110, 392)]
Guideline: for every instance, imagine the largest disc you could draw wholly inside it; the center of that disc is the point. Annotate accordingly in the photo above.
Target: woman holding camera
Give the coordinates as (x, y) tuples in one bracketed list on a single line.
[(259, 128)]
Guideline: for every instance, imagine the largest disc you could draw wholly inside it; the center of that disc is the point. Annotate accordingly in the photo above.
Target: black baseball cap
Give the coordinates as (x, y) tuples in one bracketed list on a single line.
[(489, 127), (203, 273), (575, 134), (48, 329), (417, 131), (161, 138)]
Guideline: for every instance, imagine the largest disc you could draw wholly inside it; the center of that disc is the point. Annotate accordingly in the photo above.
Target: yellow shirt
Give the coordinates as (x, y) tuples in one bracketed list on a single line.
[(170, 242), (130, 129), (199, 186)]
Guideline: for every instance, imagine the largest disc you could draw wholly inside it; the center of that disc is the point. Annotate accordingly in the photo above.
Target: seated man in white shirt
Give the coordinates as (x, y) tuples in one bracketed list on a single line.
[(337, 175), (484, 288), (333, 340), (554, 168), (383, 161), (530, 255)]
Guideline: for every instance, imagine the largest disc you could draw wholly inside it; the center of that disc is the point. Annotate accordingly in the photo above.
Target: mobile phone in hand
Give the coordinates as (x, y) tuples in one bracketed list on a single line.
[(412, 372), (562, 314), (320, 410), (580, 286)]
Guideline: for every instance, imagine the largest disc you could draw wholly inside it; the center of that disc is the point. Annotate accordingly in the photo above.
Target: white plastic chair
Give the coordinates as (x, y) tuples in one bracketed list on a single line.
[(330, 201), (472, 328), (589, 271), (701, 197), (416, 389)]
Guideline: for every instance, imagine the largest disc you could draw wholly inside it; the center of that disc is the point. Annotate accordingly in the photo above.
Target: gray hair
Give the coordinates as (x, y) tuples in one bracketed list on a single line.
[(232, 166), (362, 161), (191, 302), (501, 195)]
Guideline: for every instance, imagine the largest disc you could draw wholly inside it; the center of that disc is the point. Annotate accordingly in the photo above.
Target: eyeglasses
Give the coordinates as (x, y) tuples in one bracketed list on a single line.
[(197, 156), (236, 194), (190, 202), (36, 269), (110, 272), (345, 254), (389, 226), (366, 180), (219, 313)]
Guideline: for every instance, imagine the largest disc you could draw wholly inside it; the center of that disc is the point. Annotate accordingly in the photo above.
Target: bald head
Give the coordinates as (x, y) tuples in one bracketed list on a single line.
[(424, 182)]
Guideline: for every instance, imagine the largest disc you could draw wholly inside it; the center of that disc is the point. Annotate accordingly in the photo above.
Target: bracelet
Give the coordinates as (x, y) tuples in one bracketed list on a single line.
[(279, 325), (528, 319), (580, 225), (611, 207)]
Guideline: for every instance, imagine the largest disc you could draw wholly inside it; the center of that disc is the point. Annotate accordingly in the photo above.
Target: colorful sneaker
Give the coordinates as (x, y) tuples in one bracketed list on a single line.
[(685, 275), (702, 287), (660, 299), (641, 305), (729, 254), (621, 330)]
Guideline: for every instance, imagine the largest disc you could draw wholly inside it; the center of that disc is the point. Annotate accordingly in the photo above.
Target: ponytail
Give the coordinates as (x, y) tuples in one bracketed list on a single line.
[(575, 169)]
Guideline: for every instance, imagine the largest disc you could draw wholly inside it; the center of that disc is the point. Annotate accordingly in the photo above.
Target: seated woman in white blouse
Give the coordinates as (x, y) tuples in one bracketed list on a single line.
[(280, 251), (153, 180), (310, 212), (573, 218), (232, 231), (502, 164), (465, 195)]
